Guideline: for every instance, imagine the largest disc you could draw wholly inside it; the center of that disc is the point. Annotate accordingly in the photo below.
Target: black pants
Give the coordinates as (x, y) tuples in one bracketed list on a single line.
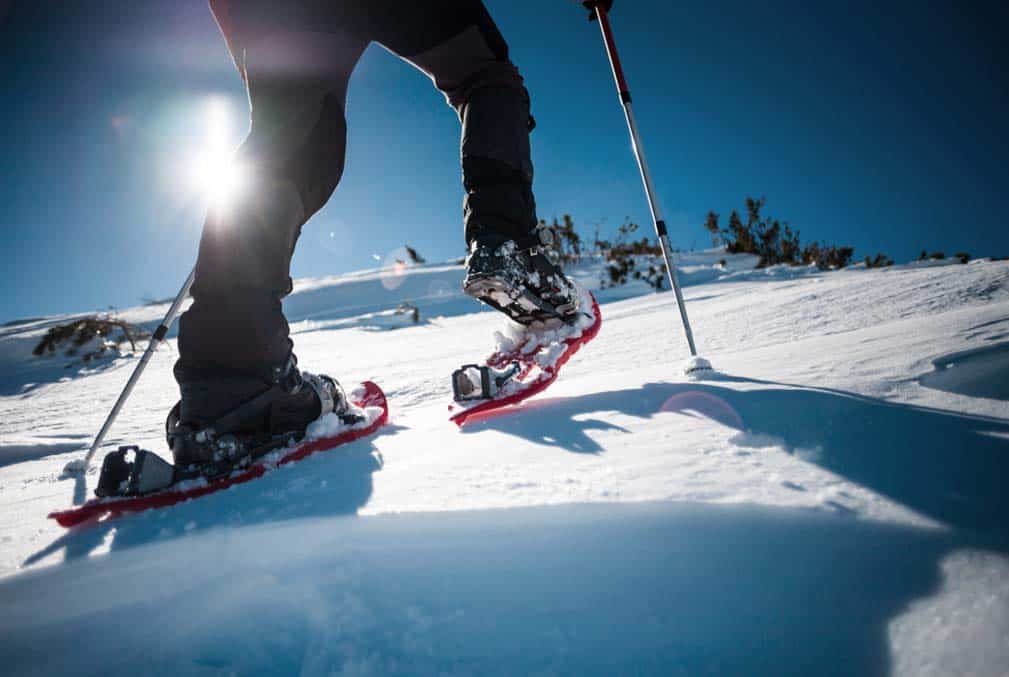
[(296, 58)]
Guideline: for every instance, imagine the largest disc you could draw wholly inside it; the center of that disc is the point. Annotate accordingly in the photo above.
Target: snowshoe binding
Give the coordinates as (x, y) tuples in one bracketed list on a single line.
[(274, 418), (133, 479), (473, 382), (268, 420), (525, 361), (521, 277)]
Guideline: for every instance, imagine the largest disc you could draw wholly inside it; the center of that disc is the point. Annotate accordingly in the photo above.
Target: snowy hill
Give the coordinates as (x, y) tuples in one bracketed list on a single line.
[(832, 501)]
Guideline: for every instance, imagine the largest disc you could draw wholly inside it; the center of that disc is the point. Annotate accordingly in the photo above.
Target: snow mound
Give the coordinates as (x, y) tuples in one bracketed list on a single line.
[(980, 372), (649, 588)]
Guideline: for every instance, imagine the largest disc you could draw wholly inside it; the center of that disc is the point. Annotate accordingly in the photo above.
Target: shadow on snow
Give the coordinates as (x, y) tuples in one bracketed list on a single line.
[(978, 372), (646, 588), (11, 454), (948, 466), (576, 589), (335, 482)]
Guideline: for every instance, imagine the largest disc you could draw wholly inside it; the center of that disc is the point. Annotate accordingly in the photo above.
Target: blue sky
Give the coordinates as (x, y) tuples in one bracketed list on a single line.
[(880, 125)]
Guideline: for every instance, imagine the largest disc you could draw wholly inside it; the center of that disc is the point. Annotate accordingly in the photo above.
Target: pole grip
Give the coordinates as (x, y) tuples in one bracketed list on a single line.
[(611, 52)]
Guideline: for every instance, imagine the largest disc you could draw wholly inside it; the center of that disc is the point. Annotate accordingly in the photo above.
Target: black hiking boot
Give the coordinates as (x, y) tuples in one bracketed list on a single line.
[(520, 278), (223, 422)]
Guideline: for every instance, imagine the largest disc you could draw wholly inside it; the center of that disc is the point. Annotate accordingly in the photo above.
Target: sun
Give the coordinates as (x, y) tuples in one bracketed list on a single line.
[(213, 170), (218, 177)]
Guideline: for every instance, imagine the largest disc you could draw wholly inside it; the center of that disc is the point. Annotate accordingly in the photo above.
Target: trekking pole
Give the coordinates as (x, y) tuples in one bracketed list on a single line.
[(81, 465), (599, 9)]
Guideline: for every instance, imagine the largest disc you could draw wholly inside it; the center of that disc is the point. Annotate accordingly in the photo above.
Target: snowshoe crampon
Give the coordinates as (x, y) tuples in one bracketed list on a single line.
[(525, 363), (131, 488), (521, 279)]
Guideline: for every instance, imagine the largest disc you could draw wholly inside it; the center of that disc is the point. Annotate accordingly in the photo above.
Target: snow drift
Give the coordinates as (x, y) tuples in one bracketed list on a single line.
[(831, 502)]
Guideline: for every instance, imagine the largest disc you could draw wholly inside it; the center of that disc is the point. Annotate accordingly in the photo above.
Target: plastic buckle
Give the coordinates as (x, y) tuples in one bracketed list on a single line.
[(479, 382), (327, 402), (287, 375), (132, 471)]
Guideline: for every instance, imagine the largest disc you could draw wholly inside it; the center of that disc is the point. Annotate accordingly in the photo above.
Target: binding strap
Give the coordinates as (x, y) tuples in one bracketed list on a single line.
[(324, 391)]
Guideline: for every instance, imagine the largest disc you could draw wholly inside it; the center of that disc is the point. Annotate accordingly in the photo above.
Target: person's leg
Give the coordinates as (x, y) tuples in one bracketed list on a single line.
[(457, 44), (234, 339)]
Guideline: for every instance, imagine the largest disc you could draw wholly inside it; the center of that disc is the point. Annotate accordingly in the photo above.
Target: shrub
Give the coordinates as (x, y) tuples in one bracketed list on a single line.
[(881, 261), (738, 238), (963, 256), (827, 257), (622, 258), (773, 241), (711, 225), (413, 255), (569, 242), (407, 308), (934, 256), (95, 335)]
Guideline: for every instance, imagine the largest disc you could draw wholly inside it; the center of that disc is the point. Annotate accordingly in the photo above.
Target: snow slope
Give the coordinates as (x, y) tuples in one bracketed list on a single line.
[(832, 501)]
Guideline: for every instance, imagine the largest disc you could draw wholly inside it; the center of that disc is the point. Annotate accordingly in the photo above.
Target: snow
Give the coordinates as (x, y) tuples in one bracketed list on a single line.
[(516, 338), (830, 500), (330, 425)]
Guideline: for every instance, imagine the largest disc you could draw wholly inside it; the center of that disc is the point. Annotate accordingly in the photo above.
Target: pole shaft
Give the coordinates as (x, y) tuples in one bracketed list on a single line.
[(646, 175), (156, 340)]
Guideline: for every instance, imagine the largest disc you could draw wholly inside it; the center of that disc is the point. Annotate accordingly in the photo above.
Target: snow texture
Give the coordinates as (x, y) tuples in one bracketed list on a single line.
[(831, 500)]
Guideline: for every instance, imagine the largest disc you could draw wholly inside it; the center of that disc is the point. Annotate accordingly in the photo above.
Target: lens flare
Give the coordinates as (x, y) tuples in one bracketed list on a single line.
[(394, 268), (213, 171), (696, 402)]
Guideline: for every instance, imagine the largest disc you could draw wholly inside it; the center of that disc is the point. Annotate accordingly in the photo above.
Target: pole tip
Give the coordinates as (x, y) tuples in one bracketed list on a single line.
[(76, 467), (696, 367)]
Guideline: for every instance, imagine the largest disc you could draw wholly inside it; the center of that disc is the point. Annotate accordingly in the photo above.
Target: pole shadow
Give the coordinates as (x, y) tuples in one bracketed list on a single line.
[(12, 454)]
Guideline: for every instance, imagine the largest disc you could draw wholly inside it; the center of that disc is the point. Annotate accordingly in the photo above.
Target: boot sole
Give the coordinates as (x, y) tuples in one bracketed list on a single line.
[(519, 304)]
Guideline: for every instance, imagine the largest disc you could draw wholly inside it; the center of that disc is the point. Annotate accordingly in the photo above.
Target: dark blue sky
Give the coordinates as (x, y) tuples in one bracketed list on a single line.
[(880, 125)]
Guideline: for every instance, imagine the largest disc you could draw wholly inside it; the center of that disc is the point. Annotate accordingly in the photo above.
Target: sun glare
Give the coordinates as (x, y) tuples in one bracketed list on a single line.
[(218, 177), (213, 171)]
